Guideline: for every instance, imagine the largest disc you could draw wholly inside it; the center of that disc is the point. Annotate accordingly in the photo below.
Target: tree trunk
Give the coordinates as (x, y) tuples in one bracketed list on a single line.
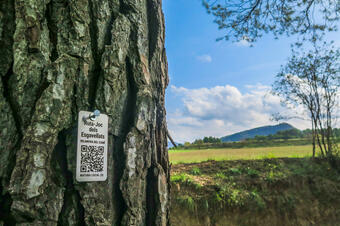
[(59, 57), (313, 138)]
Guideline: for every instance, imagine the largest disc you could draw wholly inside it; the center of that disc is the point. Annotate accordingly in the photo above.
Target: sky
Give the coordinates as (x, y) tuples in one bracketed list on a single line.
[(218, 87)]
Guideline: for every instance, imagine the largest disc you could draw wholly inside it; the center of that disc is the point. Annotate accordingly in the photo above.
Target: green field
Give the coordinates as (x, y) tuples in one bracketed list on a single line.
[(190, 156)]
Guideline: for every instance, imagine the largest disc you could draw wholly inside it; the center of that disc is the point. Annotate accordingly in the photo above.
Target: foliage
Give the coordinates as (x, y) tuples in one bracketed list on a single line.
[(273, 176), (283, 137), (252, 172), (256, 185), (248, 144), (186, 144), (183, 178), (220, 175), (254, 195), (187, 201), (235, 171), (195, 171), (282, 188), (231, 195), (312, 79), (206, 140), (249, 19)]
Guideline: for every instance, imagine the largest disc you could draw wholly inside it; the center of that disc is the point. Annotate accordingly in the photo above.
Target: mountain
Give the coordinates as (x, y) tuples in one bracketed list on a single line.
[(260, 131)]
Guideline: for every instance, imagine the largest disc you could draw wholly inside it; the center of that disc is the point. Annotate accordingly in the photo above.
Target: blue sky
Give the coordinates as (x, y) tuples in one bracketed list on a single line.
[(217, 88)]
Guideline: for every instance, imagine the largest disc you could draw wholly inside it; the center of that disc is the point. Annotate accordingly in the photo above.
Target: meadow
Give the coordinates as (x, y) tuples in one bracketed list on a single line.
[(191, 156)]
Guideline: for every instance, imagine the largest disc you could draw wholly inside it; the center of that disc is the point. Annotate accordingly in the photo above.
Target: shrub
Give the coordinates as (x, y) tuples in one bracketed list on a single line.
[(252, 172), (195, 171), (180, 178), (220, 175), (235, 171), (187, 201)]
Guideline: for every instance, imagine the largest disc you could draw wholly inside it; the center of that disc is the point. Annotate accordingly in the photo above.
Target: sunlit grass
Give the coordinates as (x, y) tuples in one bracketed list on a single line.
[(190, 156)]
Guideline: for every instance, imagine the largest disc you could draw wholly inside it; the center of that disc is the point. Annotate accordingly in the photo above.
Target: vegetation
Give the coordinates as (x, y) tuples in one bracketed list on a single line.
[(185, 178), (293, 137), (207, 140), (270, 190), (311, 80), (293, 134), (285, 135), (260, 131), (245, 144), (191, 156), (249, 19), (257, 192), (195, 171)]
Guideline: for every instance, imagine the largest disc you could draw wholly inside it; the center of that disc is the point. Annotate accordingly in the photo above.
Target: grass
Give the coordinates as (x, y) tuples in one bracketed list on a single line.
[(195, 171), (180, 178), (186, 201), (287, 191), (192, 156), (184, 179)]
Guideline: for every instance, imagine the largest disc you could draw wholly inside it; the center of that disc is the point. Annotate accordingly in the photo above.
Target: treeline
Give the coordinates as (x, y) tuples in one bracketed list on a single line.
[(207, 140), (292, 134), (246, 144), (285, 135), (281, 138)]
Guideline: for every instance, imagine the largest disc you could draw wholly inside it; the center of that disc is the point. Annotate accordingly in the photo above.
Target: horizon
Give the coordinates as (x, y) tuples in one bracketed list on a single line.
[(220, 87), (227, 135)]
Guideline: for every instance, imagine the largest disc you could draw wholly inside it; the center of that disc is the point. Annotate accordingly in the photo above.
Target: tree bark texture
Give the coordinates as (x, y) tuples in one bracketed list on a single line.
[(62, 56)]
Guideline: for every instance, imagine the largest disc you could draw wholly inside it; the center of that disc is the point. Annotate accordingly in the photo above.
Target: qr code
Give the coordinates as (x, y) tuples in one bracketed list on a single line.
[(92, 158)]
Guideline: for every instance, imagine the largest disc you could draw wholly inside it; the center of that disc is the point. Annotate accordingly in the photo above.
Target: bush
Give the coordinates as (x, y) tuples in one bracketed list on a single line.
[(195, 171)]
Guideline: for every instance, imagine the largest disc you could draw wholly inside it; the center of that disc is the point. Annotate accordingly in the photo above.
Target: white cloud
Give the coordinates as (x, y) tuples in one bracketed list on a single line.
[(243, 43), (222, 110), (205, 58)]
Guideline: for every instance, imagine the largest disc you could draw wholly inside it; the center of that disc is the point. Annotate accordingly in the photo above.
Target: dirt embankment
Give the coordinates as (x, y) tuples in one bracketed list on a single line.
[(255, 192)]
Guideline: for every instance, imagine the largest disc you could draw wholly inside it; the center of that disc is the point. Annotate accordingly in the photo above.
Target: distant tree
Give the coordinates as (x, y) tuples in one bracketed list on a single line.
[(307, 133), (336, 133), (198, 141), (211, 140), (288, 134), (206, 140), (250, 19), (180, 145), (186, 144), (311, 79)]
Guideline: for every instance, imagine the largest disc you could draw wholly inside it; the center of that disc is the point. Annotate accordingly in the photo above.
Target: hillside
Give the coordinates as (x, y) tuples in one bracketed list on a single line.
[(259, 131), (286, 191)]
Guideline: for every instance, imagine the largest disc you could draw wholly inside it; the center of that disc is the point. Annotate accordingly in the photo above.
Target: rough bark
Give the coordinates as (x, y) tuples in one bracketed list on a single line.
[(62, 56)]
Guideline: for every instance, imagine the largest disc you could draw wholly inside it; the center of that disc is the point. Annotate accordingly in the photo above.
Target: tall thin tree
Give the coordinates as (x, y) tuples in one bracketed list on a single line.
[(312, 79)]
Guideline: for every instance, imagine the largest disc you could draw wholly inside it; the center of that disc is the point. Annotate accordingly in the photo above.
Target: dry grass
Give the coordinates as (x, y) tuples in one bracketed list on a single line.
[(190, 156)]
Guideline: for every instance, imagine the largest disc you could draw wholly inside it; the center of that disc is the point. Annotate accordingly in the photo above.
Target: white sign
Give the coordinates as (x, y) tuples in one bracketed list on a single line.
[(92, 146)]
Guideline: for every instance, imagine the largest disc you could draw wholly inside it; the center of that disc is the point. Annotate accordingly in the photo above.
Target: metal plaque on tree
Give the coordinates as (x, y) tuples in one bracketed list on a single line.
[(92, 146)]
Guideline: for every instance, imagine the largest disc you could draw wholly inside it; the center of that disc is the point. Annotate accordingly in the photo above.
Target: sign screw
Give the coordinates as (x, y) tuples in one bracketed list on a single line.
[(92, 116)]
